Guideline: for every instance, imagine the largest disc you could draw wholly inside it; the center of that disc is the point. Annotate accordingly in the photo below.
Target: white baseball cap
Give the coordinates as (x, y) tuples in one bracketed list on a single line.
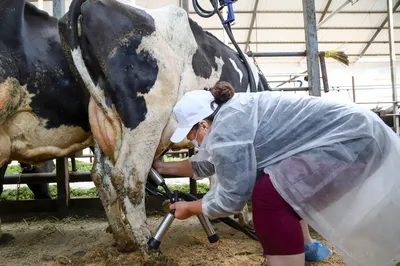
[(189, 110)]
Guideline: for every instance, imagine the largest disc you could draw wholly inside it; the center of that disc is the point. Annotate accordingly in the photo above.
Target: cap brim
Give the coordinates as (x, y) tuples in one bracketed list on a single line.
[(180, 134)]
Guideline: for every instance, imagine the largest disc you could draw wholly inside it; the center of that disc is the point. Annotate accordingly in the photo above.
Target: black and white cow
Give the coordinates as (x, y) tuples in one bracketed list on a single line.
[(43, 108), (136, 63)]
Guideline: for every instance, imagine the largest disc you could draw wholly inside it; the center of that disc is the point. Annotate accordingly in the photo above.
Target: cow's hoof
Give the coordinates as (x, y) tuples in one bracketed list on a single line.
[(108, 229), (6, 238)]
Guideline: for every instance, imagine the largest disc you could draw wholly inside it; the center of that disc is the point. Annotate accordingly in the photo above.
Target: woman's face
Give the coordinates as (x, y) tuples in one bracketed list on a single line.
[(199, 133)]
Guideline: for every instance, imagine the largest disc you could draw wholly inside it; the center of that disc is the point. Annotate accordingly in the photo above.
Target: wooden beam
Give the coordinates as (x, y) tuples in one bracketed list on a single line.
[(63, 194)]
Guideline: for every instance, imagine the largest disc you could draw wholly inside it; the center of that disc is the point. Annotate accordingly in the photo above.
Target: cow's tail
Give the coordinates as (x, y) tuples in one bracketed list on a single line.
[(74, 33)]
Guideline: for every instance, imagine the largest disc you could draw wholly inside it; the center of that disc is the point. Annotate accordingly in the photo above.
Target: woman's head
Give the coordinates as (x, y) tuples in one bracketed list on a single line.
[(196, 110)]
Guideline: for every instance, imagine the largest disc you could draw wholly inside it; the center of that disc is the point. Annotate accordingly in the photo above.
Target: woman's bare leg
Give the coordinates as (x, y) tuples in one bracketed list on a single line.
[(290, 260)]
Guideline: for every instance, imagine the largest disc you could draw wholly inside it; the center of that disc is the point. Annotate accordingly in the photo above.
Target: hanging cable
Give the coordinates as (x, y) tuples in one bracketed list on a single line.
[(227, 26)]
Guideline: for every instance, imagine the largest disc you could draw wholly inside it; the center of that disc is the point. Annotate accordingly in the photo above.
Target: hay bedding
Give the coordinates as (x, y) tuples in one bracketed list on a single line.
[(85, 242)]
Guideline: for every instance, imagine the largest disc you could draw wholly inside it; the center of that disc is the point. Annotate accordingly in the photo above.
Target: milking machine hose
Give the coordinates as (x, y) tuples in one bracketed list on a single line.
[(227, 26), (153, 189)]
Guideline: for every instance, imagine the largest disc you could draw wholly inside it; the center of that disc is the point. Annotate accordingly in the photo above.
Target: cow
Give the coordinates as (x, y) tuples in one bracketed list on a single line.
[(386, 115), (43, 106), (40, 191), (43, 101), (136, 63)]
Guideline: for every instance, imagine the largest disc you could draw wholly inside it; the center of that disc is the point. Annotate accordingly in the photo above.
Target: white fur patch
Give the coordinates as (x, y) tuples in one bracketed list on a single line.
[(237, 69)]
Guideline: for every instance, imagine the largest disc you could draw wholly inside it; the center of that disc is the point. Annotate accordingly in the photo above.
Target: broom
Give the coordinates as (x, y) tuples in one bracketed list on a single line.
[(339, 56)]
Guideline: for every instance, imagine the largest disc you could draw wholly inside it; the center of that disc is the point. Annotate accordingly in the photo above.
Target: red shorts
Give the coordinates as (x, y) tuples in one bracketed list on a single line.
[(276, 223)]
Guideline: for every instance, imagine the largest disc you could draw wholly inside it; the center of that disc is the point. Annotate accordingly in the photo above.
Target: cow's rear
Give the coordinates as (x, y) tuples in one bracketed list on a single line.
[(43, 110)]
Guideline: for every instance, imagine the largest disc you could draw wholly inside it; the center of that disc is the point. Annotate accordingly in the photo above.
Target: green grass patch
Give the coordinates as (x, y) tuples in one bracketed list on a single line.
[(26, 194), (173, 159)]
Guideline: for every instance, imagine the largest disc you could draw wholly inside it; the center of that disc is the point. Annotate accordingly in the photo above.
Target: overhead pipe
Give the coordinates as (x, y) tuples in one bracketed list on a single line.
[(335, 12)]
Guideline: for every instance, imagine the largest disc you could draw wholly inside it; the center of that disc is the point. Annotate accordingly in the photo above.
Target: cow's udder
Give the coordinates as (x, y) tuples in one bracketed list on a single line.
[(102, 129)]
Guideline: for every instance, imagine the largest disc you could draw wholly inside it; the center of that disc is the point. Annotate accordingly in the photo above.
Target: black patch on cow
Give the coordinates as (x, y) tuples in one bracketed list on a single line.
[(112, 33), (31, 47), (204, 62)]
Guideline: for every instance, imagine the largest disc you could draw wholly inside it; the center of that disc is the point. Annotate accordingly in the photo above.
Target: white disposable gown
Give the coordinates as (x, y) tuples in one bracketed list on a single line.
[(337, 165)]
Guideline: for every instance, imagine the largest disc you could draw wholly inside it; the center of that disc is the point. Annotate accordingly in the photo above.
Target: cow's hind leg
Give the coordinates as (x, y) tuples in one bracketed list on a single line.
[(129, 176), (101, 176)]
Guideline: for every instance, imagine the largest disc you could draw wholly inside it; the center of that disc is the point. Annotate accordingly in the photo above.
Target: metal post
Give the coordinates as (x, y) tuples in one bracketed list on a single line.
[(393, 65), (185, 5), (58, 8), (353, 83), (310, 27)]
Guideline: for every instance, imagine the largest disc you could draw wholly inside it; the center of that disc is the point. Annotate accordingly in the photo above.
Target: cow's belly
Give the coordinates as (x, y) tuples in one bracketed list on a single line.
[(30, 142)]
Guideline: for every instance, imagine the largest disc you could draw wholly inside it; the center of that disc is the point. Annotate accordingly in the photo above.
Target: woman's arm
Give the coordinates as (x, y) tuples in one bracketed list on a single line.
[(181, 168)]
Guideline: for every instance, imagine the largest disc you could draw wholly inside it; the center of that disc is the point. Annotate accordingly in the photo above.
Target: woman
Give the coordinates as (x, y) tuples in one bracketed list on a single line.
[(333, 165), (315, 251)]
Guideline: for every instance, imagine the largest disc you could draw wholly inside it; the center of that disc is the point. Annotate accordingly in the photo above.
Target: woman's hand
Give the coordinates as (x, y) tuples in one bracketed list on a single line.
[(184, 209)]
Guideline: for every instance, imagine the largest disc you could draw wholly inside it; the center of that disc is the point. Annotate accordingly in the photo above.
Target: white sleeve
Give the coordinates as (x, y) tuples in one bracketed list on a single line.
[(233, 155)]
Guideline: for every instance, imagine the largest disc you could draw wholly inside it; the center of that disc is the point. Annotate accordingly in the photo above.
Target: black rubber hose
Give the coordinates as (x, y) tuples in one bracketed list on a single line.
[(205, 13)]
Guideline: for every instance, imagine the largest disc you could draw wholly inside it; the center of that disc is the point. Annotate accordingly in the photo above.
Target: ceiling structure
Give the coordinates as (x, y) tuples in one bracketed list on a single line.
[(359, 28)]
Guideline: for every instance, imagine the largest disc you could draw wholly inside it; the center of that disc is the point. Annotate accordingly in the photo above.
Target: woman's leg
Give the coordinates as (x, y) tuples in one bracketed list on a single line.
[(277, 226), (314, 250), (306, 233)]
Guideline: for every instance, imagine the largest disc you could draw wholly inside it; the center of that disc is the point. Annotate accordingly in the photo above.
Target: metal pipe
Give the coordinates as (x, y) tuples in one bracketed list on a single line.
[(325, 10), (253, 19), (374, 102), (393, 64), (292, 89), (355, 12), (334, 12), (302, 28), (353, 84), (58, 8), (293, 78), (378, 30), (276, 54), (185, 6)]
